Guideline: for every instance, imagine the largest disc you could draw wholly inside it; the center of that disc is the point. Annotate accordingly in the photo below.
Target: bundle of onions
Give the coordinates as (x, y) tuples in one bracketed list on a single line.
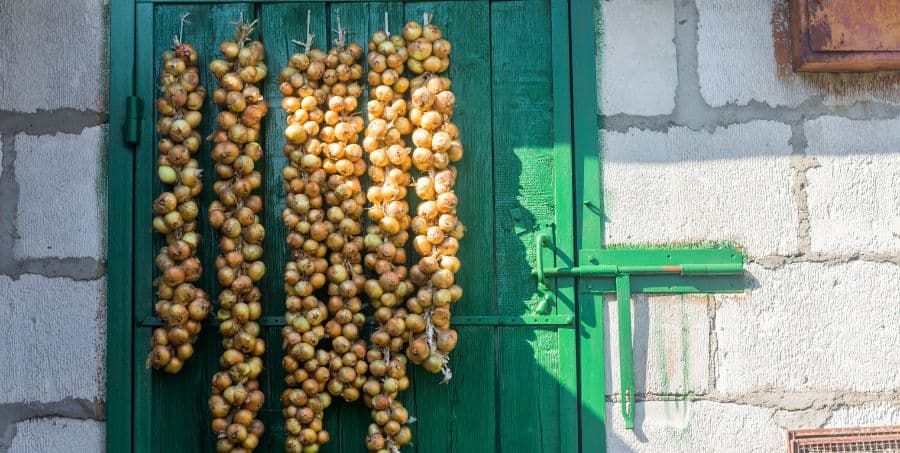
[(436, 226), (236, 396), (182, 306), (385, 242), (387, 378), (343, 163), (322, 218)]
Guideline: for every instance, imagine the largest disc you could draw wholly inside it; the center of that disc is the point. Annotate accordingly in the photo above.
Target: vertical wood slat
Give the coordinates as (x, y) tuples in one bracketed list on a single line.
[(144, 87), (528, 122), (211, 25), (396, 16), (352, 419), (567, 300), (120, 232), (279, 25), (457, 417)]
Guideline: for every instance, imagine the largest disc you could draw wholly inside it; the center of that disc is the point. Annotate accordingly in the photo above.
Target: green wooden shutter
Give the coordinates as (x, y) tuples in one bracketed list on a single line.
[(514, 386)]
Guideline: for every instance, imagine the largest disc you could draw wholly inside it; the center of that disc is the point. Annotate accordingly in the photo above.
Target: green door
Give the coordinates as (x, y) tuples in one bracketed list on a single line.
[(515, 369)]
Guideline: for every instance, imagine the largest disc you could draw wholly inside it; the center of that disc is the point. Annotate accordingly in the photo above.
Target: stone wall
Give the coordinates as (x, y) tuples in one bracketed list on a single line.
[(52, 189), (707, 135)]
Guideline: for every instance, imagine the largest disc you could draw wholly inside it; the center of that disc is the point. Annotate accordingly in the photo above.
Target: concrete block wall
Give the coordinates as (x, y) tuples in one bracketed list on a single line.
[(707, 135), (53, 119), (703, 122)]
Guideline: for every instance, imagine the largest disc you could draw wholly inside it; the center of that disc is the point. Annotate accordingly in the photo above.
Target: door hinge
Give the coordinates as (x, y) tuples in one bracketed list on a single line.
[(134, 112)]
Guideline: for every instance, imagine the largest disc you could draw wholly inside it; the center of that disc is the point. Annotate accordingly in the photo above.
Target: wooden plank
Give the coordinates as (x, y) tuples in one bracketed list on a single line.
[(523, 140), (566, 302), (522, 94), (119, 282), (458, 416), (143, 298), (525, 137), (211, 24), (447, 417), (360, 20), (350, 419), (466, 25), (279, 25), (529, 390), (120, 187)]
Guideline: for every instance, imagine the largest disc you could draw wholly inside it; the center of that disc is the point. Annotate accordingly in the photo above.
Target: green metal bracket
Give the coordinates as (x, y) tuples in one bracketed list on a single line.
[(627, 271), (134, 107), (543, 291), (626, 354)]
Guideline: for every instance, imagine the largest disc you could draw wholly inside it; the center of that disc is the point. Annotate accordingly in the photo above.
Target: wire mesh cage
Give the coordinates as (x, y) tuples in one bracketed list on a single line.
[(880, 439)]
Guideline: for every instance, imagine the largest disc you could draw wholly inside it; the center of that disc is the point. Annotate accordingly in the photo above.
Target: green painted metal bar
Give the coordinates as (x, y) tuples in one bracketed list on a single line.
[(626, 354), (724, 267), (120, 232), (609, 270), (701, 254), (588, 224), (463, 320)]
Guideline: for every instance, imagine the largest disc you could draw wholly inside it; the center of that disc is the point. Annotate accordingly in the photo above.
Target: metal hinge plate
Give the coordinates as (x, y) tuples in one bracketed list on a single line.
[(134, 108)]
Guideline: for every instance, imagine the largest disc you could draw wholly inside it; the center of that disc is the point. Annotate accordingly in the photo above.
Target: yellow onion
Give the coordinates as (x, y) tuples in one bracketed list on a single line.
[(236, 397), (182, 306), (436, 227)]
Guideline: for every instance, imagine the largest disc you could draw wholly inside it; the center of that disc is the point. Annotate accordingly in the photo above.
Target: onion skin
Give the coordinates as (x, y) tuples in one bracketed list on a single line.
[(182, 306), (236, 396), (436, 226), (390, 159), (324, 204)]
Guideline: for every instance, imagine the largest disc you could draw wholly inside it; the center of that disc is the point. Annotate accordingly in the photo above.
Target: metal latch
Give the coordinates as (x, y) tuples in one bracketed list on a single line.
[(134, 107), (621, 265)]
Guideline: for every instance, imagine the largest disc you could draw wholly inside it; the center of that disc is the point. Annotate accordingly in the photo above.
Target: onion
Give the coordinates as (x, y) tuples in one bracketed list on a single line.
[(167, 175), (431, 120), (432, 64), (420, 49), (415, 66), (441, 48), (431, 32), (444, 102), (412, 31), (422, 98)]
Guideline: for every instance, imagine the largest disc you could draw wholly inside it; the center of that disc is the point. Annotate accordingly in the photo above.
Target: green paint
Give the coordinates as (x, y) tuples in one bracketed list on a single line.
[(120, 186), (626, 348), (588, 224), (685, 345), (659, 347)]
